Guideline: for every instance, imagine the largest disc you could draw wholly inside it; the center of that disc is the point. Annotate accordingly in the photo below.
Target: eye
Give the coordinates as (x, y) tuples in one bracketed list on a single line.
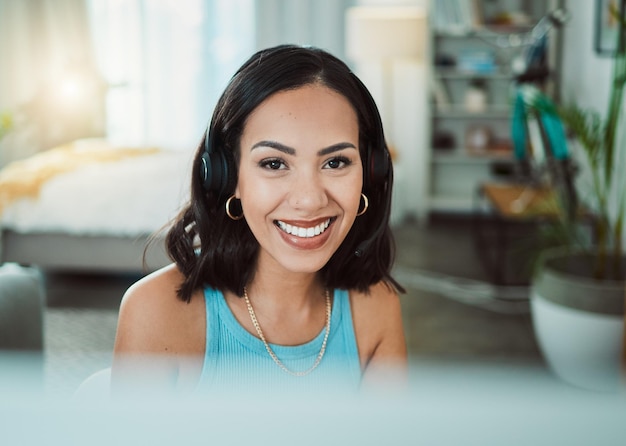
[(337, 163), (273, 164)]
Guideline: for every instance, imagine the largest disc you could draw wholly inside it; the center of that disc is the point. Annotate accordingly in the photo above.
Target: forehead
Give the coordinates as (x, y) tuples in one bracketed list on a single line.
[(309, 103)]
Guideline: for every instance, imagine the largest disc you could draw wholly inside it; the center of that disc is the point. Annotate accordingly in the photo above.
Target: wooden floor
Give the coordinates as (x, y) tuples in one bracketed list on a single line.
[(452, 309)]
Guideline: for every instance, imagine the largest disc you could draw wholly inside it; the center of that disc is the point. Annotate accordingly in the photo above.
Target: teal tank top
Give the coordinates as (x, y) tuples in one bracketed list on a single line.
[(234, 358)]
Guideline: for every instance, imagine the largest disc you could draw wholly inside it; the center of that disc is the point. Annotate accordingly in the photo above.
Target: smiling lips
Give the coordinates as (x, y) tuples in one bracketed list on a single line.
[(303, 235), (302, 232)]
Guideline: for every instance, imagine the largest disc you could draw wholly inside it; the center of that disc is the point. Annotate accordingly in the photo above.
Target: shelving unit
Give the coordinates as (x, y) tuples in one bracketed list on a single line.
[(472, 82)]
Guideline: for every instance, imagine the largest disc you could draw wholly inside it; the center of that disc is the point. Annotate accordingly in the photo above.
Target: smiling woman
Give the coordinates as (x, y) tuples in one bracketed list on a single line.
[(295, 178), (289, 209)]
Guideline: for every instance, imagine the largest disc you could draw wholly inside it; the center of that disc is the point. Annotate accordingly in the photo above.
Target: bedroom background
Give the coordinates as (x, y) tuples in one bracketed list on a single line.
[(143, 72), (121, 74), (152, 69), (138, 71), (148, 73)]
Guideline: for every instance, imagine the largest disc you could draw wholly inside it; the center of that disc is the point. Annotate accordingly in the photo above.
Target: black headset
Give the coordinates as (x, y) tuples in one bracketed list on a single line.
[(216, 167)]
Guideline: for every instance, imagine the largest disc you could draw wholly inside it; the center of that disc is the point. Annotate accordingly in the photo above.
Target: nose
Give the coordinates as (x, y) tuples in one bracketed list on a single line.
[(308, 193)]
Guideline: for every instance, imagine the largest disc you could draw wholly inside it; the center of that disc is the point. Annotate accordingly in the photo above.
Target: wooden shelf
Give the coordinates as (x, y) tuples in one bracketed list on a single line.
[(519, 201), (443, 203), (469, 55), (482, 32), (459, 156), (454, 74), (456, 111)]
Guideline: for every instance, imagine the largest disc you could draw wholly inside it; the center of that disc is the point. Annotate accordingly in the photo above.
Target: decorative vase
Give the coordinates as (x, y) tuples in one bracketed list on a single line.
[(578, 320)]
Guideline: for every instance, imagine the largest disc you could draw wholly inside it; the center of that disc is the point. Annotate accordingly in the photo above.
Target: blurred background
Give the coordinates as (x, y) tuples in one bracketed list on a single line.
[(147, 74)]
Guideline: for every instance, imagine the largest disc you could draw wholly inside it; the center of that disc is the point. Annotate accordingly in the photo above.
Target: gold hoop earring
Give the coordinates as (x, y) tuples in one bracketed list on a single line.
[(366, 204), (233, 217)]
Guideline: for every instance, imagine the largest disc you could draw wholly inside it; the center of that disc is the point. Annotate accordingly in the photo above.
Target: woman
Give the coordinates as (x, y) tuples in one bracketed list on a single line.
[(282, 257)]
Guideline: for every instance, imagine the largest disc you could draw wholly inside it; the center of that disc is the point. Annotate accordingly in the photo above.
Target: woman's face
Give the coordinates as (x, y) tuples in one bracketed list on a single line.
[(300, 176)]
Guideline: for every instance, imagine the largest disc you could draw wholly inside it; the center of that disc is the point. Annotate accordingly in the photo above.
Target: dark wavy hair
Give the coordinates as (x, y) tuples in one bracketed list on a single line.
[(211, 249)]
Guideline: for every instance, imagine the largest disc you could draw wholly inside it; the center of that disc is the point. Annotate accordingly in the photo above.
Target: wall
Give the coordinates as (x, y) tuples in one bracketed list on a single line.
[(585, 75), (311, 22), (406, 120)]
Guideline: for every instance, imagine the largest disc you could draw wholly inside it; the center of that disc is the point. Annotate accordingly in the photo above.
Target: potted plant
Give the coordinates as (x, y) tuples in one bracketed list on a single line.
[(578, 287)]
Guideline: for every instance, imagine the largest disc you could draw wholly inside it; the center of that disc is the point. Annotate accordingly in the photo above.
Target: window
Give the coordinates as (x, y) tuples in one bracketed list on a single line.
[(166, 62)]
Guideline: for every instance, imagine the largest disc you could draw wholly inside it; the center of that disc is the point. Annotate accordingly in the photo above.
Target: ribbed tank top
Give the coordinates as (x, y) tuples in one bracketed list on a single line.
[(236, 358)]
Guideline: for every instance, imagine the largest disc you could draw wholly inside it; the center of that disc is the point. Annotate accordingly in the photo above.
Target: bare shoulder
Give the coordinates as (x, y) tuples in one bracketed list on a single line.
[(152, 319), (377, 318), (160, 339), (152, 295), (381, 302)]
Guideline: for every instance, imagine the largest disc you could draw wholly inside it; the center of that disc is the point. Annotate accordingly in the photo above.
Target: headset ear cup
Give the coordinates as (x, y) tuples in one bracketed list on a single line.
[(205, 169), (379, 164), (214, 172)]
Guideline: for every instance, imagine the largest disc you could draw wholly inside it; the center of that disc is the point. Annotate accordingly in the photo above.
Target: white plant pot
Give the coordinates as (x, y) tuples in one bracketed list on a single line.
[(579, 324), (582, 348)]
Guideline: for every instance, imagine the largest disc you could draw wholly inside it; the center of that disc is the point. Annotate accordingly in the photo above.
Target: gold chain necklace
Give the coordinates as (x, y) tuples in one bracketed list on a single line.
[(278, 362)]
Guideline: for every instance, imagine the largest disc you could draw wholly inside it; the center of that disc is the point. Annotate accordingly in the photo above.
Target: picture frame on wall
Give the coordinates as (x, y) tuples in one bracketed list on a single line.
[(607, 25)]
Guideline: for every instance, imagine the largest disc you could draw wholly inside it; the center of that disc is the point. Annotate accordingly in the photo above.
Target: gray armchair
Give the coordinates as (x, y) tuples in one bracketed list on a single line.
[(22, 301)]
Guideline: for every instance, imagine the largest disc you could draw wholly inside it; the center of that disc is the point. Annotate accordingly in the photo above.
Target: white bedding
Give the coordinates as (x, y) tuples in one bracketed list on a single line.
[(132, 196)]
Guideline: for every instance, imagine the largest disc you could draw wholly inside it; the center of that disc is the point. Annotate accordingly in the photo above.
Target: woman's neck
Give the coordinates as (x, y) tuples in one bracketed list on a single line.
[(292, 290), (289, 305), (288, 289)]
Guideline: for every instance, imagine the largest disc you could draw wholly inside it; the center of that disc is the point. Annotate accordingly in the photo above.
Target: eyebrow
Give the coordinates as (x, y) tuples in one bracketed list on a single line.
[(291, 151)]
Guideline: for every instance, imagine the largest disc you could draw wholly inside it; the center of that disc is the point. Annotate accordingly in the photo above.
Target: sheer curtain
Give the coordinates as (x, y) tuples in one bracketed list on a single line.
[(48, 79), (165, 63), (308, 22), (39, 41), (159, 65)]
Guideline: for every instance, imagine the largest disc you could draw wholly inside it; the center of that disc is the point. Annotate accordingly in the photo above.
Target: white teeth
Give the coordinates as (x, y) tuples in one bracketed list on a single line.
[(304, 232)]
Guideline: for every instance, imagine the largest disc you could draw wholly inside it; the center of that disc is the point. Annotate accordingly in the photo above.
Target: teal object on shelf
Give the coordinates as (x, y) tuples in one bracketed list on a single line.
[(556, 135), (518, 127), (553, 130)]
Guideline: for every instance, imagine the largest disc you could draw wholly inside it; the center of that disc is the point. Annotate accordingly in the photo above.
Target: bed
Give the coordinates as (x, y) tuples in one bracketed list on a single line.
[(91, 206)]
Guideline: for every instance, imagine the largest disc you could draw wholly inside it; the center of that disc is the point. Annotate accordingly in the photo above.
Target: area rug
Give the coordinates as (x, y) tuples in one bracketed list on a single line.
[(77, 343)]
